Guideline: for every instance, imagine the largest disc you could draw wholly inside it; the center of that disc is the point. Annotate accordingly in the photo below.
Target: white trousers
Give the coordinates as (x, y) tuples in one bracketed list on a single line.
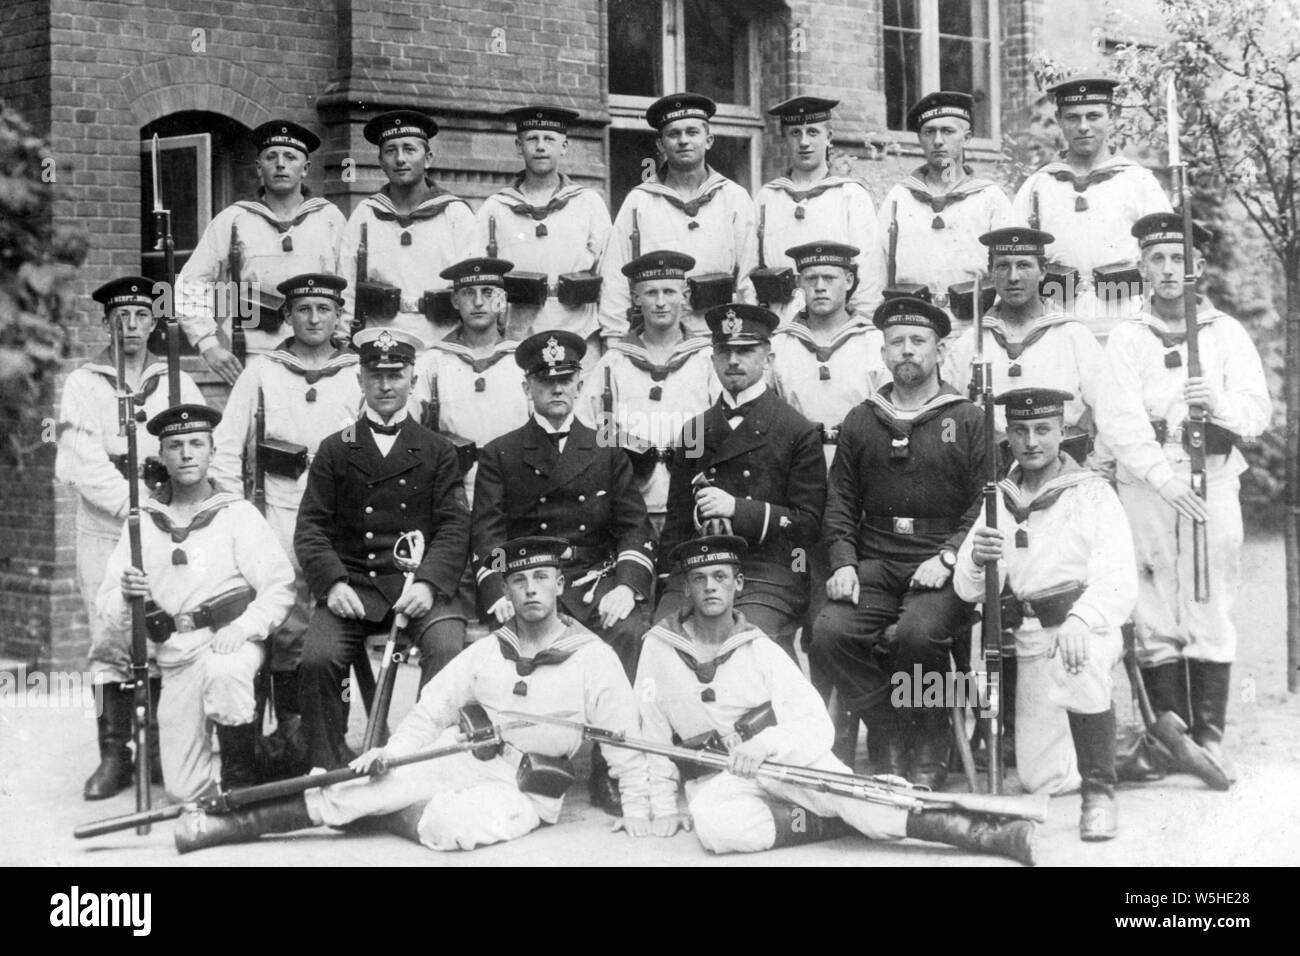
[(1046, 694), (110, 650), (731, 814), (1170, 623), (467, 802), (204, 689)]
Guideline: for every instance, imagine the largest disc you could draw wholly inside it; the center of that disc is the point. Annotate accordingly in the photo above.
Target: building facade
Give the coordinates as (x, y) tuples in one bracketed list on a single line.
[(99, 79)]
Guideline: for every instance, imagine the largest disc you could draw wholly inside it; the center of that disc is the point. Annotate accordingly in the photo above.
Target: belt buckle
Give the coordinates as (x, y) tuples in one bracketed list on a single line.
[(410, 305), (941, 300), (184, 622), (904, 526)]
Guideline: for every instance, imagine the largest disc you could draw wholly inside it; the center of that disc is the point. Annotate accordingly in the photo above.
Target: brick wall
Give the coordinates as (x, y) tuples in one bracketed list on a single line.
[(25, 59)]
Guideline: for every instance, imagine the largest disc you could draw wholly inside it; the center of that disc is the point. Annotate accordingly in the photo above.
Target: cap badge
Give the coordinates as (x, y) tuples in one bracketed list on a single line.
[(554, 351), (385, 340), (731, 325)]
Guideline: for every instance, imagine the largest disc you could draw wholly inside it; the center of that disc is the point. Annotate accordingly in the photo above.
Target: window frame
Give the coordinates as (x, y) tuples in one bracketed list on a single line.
[(732, 120), (928, 29), (201, 143)]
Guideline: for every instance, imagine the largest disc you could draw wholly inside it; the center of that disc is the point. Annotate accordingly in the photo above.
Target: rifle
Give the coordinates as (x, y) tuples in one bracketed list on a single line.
[(363, 269), (238, 344), (991, 637), (1056, 276), (770, 285), (633, 310), (1196, 420), (892, 289), (141, 704), (478, 735), (408, 551), (162, 227), (871, 789), (492, 246), (259, 464)]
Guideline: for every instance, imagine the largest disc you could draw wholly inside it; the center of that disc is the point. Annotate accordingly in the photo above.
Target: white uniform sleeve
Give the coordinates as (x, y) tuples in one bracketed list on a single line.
[(587, 408), (265, 566), (1121, 415), (656, 727), (598, 225), (957, 364), (614, 294), (1112, 583), (82, 461), (1090, 366), (235, 430), (348, 265), (803, 730), (110, 604), (196, 282), (1244, 405), (864, 233), (438, 707), (967, 576), (744, 230)]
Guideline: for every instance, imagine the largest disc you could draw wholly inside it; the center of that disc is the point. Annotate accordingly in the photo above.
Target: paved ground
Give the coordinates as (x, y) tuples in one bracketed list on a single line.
[(45, 755)]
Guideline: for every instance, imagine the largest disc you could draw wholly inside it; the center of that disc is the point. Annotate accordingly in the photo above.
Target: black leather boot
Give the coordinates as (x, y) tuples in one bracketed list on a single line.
[(887, 744), (1094, 746), (1011, 838), (196, 829), (285, 688), (113, 775), (1210, 685), (933, 744), (796, 826), (1167, 688), (602, 788), (238, 755)]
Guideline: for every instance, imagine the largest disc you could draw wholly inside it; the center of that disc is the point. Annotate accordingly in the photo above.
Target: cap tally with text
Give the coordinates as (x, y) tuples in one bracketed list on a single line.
[(535, 551), (1084, 90), (399, 123), (824, 253), (710, 549), (1024, 404), (906, 310), (738, 324), (663, 264), (679, 106), (183, 419), (1161, 227), (551, 118), (285, 133), (941, 104), (386, 348), (800, 110), (1017, 241), (480, 271), (552, 354), (313, 283), (128, 290)]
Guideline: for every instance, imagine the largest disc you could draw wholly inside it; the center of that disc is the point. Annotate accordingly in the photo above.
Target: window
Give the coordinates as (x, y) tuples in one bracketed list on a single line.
[(941, 45), (658, 47)]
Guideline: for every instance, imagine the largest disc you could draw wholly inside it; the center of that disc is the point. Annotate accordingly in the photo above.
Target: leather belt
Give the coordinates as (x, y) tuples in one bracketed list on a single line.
[(896, 524)]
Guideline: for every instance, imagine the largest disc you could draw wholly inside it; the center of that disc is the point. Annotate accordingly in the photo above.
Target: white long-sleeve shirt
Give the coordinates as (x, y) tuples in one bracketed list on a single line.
[(314, 235), (853, 368), (588, 686), (756, 671), (721, 236), (1083, 537), (1139, 387), (574, 231), (1099, 234), (285, 385), (88, 436), (1061, 353), (237, 549), (834, 210)]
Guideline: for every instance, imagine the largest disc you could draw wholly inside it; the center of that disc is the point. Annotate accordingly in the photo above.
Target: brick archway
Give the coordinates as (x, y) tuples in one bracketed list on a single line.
[(163, 87)]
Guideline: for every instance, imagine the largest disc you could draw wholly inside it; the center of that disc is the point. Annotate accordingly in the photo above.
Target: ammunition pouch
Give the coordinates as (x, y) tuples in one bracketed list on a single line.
[(282, 458), (1050, 607), (578, 288), (215, 613), (466, 451), (375, 300), (711, 289), (544, 776), (157, 343), (1117, 282), (153, 472), (262, 311), (773, 285), (961, 299), (474, 724), (526, 288), (911, 289), (438, 308), (1218, 440), (1060, 283)]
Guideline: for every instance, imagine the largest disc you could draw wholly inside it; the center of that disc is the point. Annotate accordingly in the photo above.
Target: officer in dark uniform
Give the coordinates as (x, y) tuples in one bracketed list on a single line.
[(754, 464), (903, 492), (551, 476), (369, 483)]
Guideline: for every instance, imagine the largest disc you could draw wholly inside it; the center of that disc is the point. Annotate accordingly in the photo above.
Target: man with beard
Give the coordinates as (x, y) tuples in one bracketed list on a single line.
[(903, 492)]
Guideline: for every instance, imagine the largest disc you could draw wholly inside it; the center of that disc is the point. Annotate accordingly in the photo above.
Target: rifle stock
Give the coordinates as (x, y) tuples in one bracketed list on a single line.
[(363, 274), (162, 227), (259, 465), (892, 277), (140, 690), (238, 342), (633, 310), (492, 246)]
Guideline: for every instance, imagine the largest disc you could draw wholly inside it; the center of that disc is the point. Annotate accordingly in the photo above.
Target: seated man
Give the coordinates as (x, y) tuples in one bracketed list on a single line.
[(706, 666), (542, 661), (1073, 579), (211, 563)]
